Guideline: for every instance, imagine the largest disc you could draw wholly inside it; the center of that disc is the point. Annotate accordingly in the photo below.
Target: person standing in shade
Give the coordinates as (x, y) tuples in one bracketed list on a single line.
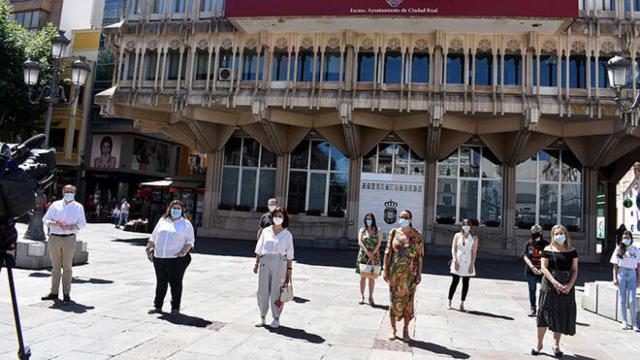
[(626, 272), (169, 246), (369, 239), (464, 248), (63, 218), (403, 271), (265, 219), (274, 261), (557, 303), (124, 213), (531, 256)]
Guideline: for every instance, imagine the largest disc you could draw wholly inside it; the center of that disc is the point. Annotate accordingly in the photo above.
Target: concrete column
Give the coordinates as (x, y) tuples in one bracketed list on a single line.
[(282, 178), (590, 206), (212, 187), (353, 200), (430, 192), (509, 201)]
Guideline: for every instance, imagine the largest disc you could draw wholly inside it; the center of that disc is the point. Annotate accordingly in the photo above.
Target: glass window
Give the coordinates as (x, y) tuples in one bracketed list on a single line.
[(525, 204), (455, 68), (320, 155), (150, 60), (229, 189), (512, 69), (249, 65), (266, 189), (468, 200), (317, 191), (548, 205), (385, 158), (157, 7), (202, 62), (401, 159), (548, 70), (305, 66), (491, 203), (528, 170), (366, 69), (280, 65), (417, 164), (300, 156), (470, 162), (491, 167), (578, 71), (571, 206), (248, 193), (131, 65), (571, 168), (250, 152), (174, 63), (370, 160), (332, 66), (297, 192), (484, 69), (206, 5), (268, 159), (225, 59), (549, 165), (447, 199), (232, 151), (339, 161), (420, 68), (392, 67), (338, 195)]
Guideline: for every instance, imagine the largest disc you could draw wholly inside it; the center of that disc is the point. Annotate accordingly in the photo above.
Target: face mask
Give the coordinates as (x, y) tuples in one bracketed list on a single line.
[(278, 220), (69, 196), (175, 213), (466, 228), (536, 236), (403, 222), (626, 241), (271, 207), (369, 223), (560, 239)]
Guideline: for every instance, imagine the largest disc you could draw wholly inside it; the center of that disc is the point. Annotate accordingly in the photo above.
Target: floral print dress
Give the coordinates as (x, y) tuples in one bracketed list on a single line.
[(405, 254), (370, 242)]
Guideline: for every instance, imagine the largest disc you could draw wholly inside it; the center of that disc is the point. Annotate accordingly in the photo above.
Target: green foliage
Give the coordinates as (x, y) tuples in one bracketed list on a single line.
[(18, 118)]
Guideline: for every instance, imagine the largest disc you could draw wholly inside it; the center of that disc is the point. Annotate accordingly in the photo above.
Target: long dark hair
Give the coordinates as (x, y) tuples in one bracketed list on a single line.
[(468, 222), (411, 217), (623, 247), (285, 216), (167, 213), (374, 225)]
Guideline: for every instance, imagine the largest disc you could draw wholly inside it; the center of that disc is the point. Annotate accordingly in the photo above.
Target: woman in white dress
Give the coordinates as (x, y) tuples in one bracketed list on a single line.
[(464, 248)]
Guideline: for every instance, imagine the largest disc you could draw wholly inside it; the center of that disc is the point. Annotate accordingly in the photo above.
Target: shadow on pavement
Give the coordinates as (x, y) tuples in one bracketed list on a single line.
[(438, 349), (73, 307), (299, 300), (187, 320), (74, 280), (380, 307), (495, 316), (297, 334)]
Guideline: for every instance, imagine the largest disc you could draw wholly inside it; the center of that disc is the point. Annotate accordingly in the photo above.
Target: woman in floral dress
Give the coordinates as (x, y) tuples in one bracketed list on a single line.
[(403, 271), (369, 239)]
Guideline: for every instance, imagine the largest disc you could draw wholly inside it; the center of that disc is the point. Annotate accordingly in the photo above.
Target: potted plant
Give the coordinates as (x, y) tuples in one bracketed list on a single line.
[(336, 213), (242, 208), (314, 212), (224, 206), (492, 223), (446, 220)]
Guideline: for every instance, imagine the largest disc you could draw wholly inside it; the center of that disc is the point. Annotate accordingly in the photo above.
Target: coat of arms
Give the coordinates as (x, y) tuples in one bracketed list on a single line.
[(394, 3), (390, 212)]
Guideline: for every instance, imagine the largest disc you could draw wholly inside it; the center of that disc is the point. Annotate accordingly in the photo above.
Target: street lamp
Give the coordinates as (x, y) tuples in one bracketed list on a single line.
[(619, 69), (52, 93)]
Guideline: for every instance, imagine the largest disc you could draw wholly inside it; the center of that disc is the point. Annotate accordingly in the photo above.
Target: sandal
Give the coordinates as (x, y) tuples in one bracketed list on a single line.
[(557, 353), (535, 352)]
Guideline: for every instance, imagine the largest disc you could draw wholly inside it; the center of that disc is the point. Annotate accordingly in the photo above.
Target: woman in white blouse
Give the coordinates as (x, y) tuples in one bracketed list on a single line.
[(464, 248), (626, 272), (169, 246), (274, 258)]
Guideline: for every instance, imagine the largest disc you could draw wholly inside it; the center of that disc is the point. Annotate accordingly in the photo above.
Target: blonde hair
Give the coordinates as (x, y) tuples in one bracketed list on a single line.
[(567, 242)]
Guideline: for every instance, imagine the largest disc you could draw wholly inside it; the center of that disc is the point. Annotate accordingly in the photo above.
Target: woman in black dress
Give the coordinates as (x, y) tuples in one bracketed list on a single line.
[(557, 303)]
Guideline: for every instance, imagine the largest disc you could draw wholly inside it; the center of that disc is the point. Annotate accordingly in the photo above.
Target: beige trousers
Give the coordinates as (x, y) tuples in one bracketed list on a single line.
[(61, 250), (271, 275)]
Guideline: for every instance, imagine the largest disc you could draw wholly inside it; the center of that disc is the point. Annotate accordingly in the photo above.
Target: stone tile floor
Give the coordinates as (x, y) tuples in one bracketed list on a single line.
[(113, 292)]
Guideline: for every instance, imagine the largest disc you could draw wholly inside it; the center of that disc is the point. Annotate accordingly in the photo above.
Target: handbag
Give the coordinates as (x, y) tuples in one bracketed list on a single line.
[(369, 271), (286, 292)]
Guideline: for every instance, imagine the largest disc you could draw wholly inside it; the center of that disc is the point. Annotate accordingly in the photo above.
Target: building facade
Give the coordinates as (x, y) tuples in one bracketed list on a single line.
[(500, 115)]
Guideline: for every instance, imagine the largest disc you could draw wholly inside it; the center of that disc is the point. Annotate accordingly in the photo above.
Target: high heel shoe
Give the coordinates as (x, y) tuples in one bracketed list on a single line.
[(557, 353), (535, 352)]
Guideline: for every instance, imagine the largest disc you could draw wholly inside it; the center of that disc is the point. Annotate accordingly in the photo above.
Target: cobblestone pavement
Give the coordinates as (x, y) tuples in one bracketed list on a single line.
[(114, 291)]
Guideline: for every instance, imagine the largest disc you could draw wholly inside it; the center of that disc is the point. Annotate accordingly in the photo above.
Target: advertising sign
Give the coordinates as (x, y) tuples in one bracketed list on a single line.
[(149, 155), (105, 151)]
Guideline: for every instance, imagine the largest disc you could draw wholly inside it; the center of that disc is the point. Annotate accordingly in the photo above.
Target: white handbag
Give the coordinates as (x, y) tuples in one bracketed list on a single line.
[(286, 292), (369, 270)]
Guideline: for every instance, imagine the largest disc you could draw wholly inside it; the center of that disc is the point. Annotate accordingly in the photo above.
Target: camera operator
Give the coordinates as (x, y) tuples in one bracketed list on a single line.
[(64, 218)]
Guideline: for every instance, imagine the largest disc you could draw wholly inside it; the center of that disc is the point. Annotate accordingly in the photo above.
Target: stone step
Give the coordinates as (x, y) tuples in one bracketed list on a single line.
[(602, 298)]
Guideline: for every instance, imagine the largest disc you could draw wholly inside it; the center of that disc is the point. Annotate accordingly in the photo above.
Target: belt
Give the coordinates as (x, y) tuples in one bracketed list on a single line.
[(63, 235)]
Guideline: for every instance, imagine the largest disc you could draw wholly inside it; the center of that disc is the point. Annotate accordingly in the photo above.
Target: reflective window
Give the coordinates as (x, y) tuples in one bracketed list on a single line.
[(249, 62), (455, 68), (603, 78), (484, 69), (206, 5), (305, 66), (393, 158), (280, 66), (131, 65), (366, 68), (420, 68), (157, 6), (173, 57), (548, 70), (225, 59), (578, 71), (332, 66), (392, 67), (202, 60), (512, 69), (150, 63)]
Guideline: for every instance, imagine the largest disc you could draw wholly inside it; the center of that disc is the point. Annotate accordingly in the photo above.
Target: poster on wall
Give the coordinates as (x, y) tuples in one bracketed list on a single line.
[(149, 155), (386, 195), (105, 151)]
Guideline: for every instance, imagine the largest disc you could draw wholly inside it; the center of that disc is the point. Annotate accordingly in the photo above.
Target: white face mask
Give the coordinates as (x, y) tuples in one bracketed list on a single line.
[(271, 207), (626, 241), (278, 220)]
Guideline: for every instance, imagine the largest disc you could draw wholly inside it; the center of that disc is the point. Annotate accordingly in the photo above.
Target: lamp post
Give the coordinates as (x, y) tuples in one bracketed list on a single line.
[(52, 93), (619, 70)]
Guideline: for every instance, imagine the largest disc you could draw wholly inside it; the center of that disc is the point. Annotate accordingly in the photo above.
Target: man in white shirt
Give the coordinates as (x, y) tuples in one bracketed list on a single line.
[(63, 218)]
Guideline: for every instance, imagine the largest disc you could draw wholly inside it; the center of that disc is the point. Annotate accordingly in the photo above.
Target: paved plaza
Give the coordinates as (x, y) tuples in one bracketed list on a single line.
[(114, 291)]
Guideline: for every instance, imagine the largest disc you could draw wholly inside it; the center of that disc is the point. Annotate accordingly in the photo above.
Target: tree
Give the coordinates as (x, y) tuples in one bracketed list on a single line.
[(18, 117)]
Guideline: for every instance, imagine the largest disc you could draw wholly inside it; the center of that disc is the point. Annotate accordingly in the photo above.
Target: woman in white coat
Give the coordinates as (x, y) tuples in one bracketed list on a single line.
[(464, 248)]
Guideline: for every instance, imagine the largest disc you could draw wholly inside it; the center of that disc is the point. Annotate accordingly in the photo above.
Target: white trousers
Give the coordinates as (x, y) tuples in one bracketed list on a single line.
[(271, 275)]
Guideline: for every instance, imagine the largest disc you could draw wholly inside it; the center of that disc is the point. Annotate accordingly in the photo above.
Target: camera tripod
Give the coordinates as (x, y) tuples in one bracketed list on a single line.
[(7, 259)]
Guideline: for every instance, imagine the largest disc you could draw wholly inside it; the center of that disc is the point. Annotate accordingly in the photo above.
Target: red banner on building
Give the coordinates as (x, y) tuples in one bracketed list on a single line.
[(446, 8)]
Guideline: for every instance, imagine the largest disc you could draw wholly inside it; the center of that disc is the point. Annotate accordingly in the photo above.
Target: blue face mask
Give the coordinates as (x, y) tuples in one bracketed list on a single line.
[(403, 222), (69, 196), (369, 223), (560, 238), (176, 213), (466, 228)]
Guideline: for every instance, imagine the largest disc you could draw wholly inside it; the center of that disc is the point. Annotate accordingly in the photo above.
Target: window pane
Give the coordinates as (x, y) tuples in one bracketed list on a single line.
[(491, 167), (300, 156), (548, 70), (202, 60), (392, 67), (131, 65), (248, 189), (280, 65), (365, 67), (449, 166), (512, 69), (225, 58), (151, 61), (338, 195), (571, 206), (484, 69), (369, 161), (297, 191), (250, 152), (229, 189), (232, 152), (268, 159), (267, 186), (527, 170), (305, 66), (469, 162), (339, 162), (571, 168), (332, 66), (401, 159), (320, 155), (578, 71), (525, 204), (446, 202), (469, 199), (417, 164), (206, 5), (249, 65), (548, 205), (385, 158), (455, 68), (174, 62), (491, 203), (549, 165), (317, 191), (420, 68)]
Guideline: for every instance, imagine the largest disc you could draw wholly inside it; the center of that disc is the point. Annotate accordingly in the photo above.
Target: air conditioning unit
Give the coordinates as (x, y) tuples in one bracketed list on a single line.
[(224, 74)]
